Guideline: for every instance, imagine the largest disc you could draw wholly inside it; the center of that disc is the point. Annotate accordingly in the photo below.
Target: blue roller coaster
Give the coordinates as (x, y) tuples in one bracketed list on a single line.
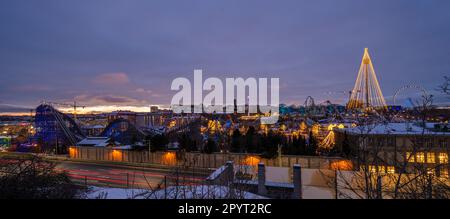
[(55, 130), (123, 131)]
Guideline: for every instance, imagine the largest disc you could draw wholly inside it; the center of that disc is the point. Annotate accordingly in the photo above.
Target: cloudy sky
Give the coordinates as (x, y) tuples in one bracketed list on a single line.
[(126, 53)]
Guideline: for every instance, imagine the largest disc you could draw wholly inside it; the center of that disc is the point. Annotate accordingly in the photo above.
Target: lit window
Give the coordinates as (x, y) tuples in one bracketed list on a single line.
[(443, 158), (444, 173), (390, 169), (380, 169), (372, 169), (430, 157), (410, 157), (420, 157)]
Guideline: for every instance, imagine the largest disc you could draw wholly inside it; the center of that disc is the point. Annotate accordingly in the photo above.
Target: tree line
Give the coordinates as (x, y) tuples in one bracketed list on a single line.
[(250, 141)]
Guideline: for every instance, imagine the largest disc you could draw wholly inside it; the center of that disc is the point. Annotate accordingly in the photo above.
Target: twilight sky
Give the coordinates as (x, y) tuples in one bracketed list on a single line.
[(126, 53)]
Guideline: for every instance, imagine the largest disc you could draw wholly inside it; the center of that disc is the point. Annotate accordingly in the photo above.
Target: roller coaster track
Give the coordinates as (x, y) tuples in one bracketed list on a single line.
[(182, 127), (64, 128), (61, 121)]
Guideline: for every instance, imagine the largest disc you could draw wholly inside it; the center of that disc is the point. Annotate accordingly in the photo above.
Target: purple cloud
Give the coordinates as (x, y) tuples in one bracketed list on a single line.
[(118, 78)]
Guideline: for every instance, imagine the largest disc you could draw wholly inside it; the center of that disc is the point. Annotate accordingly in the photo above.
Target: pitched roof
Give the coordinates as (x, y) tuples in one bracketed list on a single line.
[(94, 141)]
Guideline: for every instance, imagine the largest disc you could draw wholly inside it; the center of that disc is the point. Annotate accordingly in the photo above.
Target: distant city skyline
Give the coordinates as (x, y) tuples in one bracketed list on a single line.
[(111, 55)]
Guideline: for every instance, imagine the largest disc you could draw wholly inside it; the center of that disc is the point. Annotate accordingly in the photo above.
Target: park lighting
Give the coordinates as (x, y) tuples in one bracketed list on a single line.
[(341, 165), (169, 158), (117, 155), (251, 160)]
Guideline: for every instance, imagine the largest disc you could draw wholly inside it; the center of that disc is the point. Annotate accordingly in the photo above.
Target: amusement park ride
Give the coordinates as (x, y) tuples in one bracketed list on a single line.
[(366, 93), (74, 105), (418, 88), (366, 96)]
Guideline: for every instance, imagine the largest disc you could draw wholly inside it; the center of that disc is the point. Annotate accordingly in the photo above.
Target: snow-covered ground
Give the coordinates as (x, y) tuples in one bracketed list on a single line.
[(172, 192), (396, 128), (113, 193)]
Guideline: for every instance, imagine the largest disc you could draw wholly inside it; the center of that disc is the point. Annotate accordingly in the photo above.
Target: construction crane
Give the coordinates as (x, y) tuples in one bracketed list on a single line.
[(74, 105), (31, 114)]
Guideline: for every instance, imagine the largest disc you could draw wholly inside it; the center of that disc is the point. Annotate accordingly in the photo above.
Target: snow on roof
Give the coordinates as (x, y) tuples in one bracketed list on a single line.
[(279, 184), (202, 192), (94, 141), (217, 173), (94, 127), (171, 192), (124, 147), (396, 129)]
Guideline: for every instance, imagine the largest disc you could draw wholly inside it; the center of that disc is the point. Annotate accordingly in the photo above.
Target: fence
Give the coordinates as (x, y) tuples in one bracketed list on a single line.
[(199, 160)]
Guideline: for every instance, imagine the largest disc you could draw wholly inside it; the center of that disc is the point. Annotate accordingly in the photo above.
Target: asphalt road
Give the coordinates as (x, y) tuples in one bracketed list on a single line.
[(106, 175)]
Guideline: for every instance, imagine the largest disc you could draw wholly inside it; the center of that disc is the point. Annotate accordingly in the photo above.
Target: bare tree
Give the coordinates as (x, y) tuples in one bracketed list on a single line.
[(385, 168), (180, 183), (35, 178), (444, 87)]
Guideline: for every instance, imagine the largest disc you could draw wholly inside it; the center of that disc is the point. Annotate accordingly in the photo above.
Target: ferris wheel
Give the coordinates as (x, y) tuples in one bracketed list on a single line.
[(409, 87)]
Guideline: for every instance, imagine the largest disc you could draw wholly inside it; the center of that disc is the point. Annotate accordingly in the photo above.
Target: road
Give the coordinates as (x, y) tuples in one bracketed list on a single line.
[(107, 175)]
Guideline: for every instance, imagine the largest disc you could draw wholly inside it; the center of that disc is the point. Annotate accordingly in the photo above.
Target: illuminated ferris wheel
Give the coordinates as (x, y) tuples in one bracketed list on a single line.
[(405, 89)]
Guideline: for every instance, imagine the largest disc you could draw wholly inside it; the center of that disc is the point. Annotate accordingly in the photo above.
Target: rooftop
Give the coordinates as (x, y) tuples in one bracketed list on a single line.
[(94, 141), (396, 129)]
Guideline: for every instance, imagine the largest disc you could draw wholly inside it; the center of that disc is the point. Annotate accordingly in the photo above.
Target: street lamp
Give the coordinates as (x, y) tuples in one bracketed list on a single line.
[(279, 155)]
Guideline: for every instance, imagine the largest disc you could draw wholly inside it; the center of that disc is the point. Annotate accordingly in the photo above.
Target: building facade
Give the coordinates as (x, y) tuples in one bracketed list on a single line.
[(395, 148)]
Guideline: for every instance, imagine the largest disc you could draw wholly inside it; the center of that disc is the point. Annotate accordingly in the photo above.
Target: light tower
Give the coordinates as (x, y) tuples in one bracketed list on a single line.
[(366, 94)]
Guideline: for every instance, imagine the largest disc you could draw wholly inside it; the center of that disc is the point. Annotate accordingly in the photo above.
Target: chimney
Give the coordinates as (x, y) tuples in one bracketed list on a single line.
[(230, 172), (262, 179), (297, 182)]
